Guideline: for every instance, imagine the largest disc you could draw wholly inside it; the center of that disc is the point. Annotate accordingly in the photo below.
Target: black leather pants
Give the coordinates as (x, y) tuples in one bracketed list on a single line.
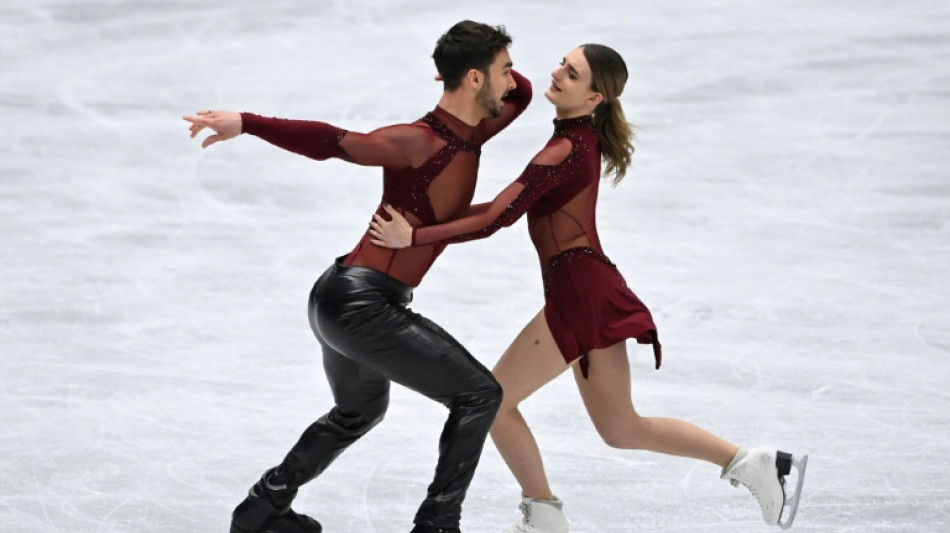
[(369, 339)]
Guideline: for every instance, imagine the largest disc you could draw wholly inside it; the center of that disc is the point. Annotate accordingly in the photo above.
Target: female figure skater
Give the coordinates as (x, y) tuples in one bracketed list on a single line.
[(589, 311)]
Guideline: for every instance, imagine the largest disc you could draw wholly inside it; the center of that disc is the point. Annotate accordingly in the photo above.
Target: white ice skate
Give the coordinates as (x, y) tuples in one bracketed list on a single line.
[(763, 472), (540, 516)]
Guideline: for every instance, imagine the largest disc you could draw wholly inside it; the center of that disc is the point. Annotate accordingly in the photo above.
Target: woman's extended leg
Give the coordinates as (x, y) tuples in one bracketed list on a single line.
[(532, 360), (607, 397)]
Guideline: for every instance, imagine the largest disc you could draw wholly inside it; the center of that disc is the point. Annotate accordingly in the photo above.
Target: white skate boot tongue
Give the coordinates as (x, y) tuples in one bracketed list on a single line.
[(541, 516), (740, 455)]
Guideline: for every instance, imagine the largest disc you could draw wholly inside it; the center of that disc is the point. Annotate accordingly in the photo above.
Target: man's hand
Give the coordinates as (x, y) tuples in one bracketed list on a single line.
[(225, 124), (395, 233)]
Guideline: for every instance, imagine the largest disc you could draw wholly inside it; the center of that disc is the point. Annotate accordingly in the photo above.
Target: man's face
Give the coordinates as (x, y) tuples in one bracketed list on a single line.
[(497, 83)]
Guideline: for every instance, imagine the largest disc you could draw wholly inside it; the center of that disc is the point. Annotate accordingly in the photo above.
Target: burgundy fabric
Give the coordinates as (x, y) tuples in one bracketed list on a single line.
[(429, 170), (587, 303), (588, 306)]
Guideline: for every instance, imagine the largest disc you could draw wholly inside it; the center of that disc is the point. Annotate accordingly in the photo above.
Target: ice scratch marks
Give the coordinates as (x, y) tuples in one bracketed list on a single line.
[(935, 333)]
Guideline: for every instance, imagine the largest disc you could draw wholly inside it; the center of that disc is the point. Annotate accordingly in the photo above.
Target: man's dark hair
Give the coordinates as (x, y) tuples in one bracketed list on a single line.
[(465, 46)]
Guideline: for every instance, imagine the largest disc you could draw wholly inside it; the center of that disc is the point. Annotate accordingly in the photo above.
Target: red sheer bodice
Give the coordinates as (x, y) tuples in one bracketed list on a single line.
[(588, 305), (429, 170), (558, 191)]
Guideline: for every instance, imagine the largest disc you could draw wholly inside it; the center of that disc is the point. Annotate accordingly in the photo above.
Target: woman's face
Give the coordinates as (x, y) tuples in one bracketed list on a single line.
[(570, 90)]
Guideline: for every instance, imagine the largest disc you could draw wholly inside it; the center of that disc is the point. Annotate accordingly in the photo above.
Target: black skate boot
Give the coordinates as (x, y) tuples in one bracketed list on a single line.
[(267, 510), (434, 529)]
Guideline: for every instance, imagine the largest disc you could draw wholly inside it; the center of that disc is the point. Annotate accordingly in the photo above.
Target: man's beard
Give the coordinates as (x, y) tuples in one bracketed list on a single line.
[(492, 107)]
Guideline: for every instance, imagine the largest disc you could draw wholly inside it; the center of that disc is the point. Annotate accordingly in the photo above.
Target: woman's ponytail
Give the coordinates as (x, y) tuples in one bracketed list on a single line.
[(609, 75)]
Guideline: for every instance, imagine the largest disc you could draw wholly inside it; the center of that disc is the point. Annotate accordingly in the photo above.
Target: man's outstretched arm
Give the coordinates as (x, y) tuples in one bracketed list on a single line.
[(397, 146)]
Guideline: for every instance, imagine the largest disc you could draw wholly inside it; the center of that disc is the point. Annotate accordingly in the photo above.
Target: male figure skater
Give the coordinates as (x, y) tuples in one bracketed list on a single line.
[(358, 307)]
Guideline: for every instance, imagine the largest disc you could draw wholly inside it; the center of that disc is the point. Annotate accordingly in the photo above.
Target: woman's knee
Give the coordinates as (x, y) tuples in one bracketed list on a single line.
[(508, 405), (625, 434), (617, 440)]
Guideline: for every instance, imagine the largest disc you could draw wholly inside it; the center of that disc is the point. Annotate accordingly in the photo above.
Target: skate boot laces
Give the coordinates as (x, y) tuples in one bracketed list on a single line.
[(525, 525), (755, 492)]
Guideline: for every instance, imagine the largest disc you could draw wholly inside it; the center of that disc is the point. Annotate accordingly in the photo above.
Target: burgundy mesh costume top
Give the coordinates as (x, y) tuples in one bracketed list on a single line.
[(429, 170), (587, 302)]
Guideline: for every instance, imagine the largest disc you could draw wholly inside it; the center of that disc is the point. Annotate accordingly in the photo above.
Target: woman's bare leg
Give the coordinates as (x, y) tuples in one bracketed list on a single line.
[(532, 360), (607, 396)]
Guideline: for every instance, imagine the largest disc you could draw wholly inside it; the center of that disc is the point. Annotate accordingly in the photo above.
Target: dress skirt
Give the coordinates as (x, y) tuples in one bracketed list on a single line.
[(588, 306)]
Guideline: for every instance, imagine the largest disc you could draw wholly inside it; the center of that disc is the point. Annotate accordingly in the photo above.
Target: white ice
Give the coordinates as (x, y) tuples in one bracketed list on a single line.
[(787, 219)]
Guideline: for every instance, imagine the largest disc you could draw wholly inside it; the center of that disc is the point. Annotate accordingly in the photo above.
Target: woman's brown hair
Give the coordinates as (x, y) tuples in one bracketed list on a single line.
[(608, 77)]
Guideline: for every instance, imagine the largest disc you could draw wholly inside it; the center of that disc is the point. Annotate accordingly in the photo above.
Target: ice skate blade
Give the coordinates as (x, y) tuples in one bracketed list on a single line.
[(800, 465)]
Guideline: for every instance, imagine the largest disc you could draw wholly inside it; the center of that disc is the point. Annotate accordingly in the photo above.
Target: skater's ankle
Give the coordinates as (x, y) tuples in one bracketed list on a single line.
[(273, 487), (740, 454), (540, 496), (729, 457)]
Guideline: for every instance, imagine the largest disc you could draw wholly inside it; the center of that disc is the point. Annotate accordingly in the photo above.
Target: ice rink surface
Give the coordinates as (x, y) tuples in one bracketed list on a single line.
[(787, 218)]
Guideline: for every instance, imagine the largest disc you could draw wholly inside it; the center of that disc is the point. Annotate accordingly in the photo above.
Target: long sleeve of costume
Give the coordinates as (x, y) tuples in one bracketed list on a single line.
[(316, 140), (392, 146), (516, 102), (504, 210), (521, 96)]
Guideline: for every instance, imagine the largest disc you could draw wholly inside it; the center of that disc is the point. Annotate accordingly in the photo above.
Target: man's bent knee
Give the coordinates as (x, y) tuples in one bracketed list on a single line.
[(487, 399), (363, 420)]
